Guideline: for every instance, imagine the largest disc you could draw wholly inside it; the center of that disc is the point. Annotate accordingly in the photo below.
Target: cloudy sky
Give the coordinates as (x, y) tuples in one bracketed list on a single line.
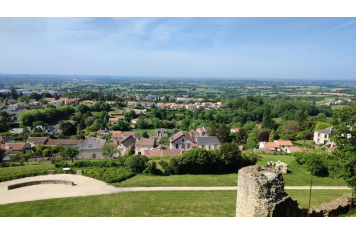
[(193, 47)]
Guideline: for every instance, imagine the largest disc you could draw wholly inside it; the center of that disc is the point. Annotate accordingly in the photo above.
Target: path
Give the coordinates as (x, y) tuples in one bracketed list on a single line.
[(86, 186)]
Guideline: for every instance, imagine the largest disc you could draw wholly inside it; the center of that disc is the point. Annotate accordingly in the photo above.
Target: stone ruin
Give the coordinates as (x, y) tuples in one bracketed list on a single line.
[(260, 193), (279, 165)]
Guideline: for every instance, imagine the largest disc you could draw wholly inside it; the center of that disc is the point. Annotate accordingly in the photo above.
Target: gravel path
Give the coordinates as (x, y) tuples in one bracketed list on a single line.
[(85, 186)]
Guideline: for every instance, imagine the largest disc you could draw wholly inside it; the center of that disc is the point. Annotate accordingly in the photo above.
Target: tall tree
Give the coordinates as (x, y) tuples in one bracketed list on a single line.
[(301, 118), (212, 129), (267, 121), (223, 133), (2, 155), (241, 136)]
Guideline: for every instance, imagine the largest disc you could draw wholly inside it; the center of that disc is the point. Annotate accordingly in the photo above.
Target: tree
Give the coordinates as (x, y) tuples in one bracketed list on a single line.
[(2, 154), (321, 125), (145, 134), (301, 118), (93, 156), (241, 136), (69, 152), (263, 136), (267, 121), (271, 136), (290, 129), (108, 149), (212, 129), (251, 143), (68, 129), (223, 133)]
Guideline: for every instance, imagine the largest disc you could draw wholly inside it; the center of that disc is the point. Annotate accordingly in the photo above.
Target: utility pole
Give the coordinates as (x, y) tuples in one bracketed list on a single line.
[(310, 191)]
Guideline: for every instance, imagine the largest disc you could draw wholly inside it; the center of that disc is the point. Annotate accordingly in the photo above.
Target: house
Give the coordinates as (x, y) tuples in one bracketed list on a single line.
[(12, 101), (235, 130), (284, 144), (193, 134), (144, 144), (182, 141), (125, 146), (132, 103), (89, 102), (49, 99), (15, 147), (209, 142), (161, 133), (56, 102), (33, 141), (115, 134), (140, 111), (113, 120), (51, 129), (111, 102), (17, 130), (2, 105), (271, 146), (5, 139), (203, 131), (91, 146), (162, 152), (14, 107), (134, 121), (322, 136), (64, 142), (191, 106)]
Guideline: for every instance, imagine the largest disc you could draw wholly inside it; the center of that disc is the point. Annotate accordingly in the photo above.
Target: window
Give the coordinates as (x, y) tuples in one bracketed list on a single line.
[(326, 136), (188, 146), (203, 146), (183, 146), (176, 146), (90, 145), (183, 140)]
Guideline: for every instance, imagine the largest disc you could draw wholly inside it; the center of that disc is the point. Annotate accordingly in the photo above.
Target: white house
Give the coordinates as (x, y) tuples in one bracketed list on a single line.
[(322, 136)]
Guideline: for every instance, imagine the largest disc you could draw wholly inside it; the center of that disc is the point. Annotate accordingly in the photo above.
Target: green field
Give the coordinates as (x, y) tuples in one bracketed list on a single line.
[(139, 204), (179, 180), (298, 176)]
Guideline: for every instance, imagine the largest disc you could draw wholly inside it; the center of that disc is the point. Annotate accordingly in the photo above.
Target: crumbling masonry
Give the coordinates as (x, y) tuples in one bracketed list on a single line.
[(260, 193)]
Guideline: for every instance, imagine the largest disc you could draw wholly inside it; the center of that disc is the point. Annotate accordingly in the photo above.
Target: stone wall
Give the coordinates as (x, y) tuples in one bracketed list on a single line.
[(30, 183), (260, 193)]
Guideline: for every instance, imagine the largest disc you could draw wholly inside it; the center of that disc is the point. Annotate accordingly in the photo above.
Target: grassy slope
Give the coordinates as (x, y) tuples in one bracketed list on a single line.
[(173, 203)]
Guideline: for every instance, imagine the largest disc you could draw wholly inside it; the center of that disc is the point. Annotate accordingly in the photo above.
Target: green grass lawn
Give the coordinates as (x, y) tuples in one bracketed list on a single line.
[(150, 132), (179, 180), (298, 176), (31, 166), (139, 204)]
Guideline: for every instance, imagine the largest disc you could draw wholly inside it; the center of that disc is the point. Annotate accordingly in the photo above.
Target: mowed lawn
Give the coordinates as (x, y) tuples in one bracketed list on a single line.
[(139, 204), (179, 180), (298, 176)]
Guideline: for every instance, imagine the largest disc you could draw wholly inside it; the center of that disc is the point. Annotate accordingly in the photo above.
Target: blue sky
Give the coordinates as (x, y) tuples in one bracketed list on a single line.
[(183, 47)]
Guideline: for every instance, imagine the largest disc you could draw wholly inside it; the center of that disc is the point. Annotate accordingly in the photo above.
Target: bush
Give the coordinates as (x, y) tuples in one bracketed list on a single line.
[(101, 163), (108, 175), (21, 175), (136, 163), (152, 169)]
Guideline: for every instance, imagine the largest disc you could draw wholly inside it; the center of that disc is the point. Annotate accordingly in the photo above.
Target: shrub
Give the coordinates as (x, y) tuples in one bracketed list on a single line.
[(108, 175), (20, 175), (136, 163), (152, 169)]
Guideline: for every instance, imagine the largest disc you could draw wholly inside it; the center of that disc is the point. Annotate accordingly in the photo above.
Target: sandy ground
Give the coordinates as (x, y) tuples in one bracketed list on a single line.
[(85, 186)]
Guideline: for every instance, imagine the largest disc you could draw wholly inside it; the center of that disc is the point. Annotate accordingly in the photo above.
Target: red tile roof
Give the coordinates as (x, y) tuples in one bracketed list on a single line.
[(178, 135)]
